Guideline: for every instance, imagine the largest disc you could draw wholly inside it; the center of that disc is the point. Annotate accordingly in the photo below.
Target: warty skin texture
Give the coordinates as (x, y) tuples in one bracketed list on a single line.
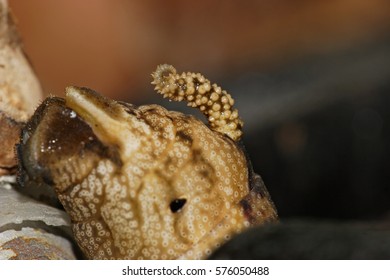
[(141, 182)]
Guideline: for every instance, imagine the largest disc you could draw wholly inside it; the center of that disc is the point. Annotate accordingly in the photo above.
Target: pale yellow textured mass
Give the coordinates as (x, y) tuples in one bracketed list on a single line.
[(215, 104), (144, 182), (179, 160)]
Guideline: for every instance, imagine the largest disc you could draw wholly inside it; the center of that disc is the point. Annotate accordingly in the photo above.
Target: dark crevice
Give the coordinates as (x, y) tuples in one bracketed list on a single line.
[(177, 204)]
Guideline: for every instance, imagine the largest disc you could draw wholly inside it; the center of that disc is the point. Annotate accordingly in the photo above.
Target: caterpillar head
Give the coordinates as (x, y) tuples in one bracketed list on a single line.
[(144, 182)]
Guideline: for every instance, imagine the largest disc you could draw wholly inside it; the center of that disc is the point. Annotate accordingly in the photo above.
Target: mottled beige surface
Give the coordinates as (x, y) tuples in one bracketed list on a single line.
[(142, 182)]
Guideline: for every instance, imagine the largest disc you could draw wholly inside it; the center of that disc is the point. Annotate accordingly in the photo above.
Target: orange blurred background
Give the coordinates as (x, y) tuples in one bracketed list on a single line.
[(113, 46)]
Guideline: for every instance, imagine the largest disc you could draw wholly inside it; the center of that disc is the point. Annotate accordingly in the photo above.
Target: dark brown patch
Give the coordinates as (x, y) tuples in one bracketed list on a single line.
[(9, 136), (183, 137), (54, 135), (247, 209)]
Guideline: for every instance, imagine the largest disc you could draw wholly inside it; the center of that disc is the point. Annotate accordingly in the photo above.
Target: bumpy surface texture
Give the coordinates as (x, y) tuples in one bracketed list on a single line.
[(142, 182), (215, 103)]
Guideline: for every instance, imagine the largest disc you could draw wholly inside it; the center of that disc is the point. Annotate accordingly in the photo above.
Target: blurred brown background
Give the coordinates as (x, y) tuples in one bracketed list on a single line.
[(113, 46), (310, 77)]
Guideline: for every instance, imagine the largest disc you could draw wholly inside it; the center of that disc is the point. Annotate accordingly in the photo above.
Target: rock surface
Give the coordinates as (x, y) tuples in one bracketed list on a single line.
[(30, 229)]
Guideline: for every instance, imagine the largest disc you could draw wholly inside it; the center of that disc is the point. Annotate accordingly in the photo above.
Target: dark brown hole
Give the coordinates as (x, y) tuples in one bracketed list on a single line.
[(177, 204)]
